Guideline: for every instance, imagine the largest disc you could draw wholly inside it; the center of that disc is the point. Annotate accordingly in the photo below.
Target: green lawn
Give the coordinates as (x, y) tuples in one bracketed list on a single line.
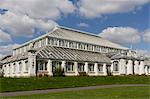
[(104, 93), (18, 84)]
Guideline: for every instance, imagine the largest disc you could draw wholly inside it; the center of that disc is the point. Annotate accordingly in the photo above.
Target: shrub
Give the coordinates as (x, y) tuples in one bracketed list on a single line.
[(58, 72), (1, 73), (82, 74)]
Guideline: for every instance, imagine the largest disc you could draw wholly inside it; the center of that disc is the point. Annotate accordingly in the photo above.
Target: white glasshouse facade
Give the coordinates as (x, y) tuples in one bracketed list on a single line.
[(73, 51)]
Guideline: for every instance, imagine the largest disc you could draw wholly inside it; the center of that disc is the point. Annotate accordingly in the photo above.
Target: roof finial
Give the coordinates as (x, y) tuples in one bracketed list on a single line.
[(131, 46)]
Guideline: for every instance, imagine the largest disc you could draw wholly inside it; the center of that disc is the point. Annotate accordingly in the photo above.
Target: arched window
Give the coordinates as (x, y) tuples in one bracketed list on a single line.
[(115, 66), (100, 67), (14, 66), (26, 66), (91, 67), (69, 66), (9, 68), (4, 68), (20, 66), (81, 67)]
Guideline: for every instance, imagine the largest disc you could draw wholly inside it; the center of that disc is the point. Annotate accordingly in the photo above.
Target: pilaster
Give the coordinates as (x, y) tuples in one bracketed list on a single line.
[(141, 68), (49, 68), (122, 64), (32, 64), (63, 65), (17, 69), (104, 69), (76, 68), (96, 68), (86, 67), (136, 67), (23, 68), (130, 67)]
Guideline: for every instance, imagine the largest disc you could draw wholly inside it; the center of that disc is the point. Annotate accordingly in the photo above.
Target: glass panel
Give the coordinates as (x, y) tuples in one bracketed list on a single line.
[(80, 67), (20, 66), (69, 66), (115, 66), (26, 66), (100, 67), (91, 67)]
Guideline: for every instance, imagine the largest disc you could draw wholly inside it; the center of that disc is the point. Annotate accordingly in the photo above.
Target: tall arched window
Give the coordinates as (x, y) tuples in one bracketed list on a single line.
[(100, 67), (26, 66), (115, 66), (9, 68), (20, 66), (14, 65)]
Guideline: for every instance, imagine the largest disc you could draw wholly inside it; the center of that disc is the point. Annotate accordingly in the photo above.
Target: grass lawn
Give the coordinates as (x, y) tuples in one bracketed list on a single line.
[(105, 93), (20, 84)]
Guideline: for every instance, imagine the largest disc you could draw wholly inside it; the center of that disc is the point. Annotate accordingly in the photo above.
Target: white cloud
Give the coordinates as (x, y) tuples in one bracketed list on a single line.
[(4, 37), (83, 25), (97, 8), (47, 9), (23, 25), (146, 36), (7, 49), (23, 16), (121, 35), (145, 53)]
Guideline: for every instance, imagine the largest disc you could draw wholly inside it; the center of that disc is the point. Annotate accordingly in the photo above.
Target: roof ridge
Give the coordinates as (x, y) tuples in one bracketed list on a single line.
[(79, 31)]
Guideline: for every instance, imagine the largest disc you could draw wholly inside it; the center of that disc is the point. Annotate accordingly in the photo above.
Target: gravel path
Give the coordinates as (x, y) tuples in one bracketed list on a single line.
[(19, 93)]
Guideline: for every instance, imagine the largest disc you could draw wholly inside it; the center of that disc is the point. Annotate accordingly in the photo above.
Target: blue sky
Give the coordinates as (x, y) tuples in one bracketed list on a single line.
[(126, 20), (139, 20)]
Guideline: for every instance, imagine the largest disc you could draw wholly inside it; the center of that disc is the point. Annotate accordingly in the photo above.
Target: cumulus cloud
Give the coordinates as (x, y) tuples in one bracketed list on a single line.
[(23, 25), (23, 17), (145, 53), (7, 49), (4, 37), (47, 9), (97, 8), (146, 36), (121, 35), (82, 25)]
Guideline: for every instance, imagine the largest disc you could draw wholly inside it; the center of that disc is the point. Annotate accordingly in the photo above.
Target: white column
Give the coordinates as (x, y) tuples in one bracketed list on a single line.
[(49, 68), (122, 64), (40, 43), (57, 42), (76, 68), (146, 70), (17, 69), (7, 70), (130, 67), (63, 65), (23, 67), (141, 68), (96, 68), (46, 41), (11, 69), (14, 69), (86, 67), (32, 64), (104, 69), (68, 45), (136, 67)]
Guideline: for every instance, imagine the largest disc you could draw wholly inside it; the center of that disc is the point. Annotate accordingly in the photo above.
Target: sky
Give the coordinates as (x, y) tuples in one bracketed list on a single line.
[(126, 22)]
